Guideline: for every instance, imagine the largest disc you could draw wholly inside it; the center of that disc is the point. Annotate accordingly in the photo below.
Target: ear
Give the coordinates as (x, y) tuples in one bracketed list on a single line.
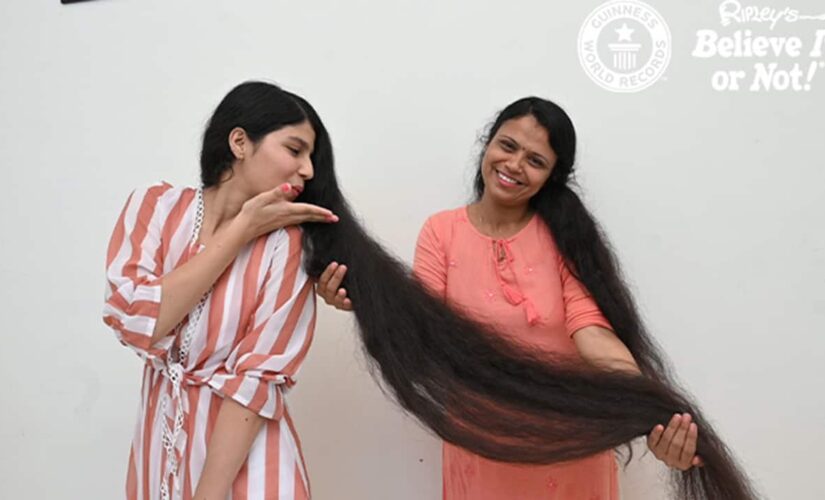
[(238, 142)]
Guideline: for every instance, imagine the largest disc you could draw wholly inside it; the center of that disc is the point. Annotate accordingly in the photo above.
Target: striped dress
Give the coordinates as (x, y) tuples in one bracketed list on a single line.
[(248, 343)]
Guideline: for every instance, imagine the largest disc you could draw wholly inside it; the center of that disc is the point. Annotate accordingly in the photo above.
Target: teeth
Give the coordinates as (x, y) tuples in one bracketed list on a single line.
[(508, 179)]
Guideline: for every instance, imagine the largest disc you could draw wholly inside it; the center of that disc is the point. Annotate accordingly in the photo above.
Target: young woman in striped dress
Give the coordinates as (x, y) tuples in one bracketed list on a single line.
[(206, 285)]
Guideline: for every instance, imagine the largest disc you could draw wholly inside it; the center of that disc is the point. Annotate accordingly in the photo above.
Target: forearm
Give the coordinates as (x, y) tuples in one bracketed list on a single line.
[(603, 349), (235, 430), (184, 287)]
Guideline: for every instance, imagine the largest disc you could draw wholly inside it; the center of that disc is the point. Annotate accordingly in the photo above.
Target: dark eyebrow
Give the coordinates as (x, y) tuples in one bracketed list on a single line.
[(545, 160)]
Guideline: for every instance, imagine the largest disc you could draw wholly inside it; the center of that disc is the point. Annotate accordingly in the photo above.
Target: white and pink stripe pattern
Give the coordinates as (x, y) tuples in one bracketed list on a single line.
[(254, 333)]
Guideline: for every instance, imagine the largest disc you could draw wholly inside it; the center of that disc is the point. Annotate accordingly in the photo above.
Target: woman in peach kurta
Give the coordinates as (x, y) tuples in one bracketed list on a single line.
[(522, 286), (497, 261)]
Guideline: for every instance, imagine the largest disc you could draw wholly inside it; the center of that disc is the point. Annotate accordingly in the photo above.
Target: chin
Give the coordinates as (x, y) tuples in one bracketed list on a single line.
[(504, 198)]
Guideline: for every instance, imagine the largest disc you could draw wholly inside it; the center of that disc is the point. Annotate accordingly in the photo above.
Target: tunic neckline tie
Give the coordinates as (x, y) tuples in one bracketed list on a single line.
[(503, 263)]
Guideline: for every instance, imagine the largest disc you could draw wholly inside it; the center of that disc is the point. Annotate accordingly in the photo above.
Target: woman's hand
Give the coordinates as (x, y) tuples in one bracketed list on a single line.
[(676, 445), (275, 209), (329, 287)]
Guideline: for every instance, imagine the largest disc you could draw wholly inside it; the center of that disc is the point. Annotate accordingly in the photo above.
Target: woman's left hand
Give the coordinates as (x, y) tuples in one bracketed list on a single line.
[(329, 287), (676, 445)]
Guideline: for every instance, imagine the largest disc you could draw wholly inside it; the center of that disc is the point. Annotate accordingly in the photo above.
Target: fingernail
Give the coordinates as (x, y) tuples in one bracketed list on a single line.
[(333, 218)]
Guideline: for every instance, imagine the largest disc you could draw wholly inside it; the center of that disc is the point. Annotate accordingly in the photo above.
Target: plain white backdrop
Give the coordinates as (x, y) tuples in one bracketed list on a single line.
[(713, 200)]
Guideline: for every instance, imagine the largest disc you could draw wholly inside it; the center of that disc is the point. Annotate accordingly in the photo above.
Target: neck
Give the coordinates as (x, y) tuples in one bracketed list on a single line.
[(222, 203), (496, 218)]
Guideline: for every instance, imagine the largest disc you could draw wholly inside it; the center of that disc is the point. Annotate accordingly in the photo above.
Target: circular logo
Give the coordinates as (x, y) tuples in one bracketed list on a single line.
[(624, 45)]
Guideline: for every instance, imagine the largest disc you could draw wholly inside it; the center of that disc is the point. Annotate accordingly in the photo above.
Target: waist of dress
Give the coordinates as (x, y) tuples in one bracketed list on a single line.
[(176, 373)]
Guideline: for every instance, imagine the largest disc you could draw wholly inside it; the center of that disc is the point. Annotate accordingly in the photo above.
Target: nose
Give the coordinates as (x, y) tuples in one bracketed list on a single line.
[(513, 163), (306, 170)]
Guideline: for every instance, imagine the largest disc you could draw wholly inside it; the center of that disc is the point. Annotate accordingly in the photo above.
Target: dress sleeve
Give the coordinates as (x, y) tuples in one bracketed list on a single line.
[(580, 310), (430, 261), (134, 262), (264, 363)]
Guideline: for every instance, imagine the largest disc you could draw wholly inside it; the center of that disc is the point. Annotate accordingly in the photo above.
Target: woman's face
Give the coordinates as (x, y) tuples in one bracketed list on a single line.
[(279, 157), (517, 161)]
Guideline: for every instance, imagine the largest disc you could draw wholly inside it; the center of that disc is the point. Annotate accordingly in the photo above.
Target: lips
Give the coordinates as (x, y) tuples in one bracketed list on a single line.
[(506, 178), (298, 190)]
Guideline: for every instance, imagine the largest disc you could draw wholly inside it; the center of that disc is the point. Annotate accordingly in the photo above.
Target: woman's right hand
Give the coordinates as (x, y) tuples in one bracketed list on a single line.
[(329, 287), (274, 209)]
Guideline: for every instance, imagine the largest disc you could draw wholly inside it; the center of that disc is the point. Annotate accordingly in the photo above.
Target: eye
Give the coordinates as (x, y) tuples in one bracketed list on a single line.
[(507, 145), (293, 150), (536, 162)]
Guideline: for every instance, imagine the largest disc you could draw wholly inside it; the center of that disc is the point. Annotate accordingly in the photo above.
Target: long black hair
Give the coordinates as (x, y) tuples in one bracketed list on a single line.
[(470, 385)]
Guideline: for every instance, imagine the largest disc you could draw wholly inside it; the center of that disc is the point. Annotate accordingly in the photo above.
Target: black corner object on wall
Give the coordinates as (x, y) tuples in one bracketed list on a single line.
[(73, 1)]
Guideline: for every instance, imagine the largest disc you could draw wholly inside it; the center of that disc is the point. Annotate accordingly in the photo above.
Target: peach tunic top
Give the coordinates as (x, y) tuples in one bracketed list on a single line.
[(522, 286)]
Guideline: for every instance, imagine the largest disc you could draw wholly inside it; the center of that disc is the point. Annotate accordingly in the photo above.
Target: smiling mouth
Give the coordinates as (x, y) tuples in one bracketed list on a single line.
[(507, 178)]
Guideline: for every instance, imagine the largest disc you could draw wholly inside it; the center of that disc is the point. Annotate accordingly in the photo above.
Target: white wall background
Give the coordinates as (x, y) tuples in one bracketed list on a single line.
[(714, 200)]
